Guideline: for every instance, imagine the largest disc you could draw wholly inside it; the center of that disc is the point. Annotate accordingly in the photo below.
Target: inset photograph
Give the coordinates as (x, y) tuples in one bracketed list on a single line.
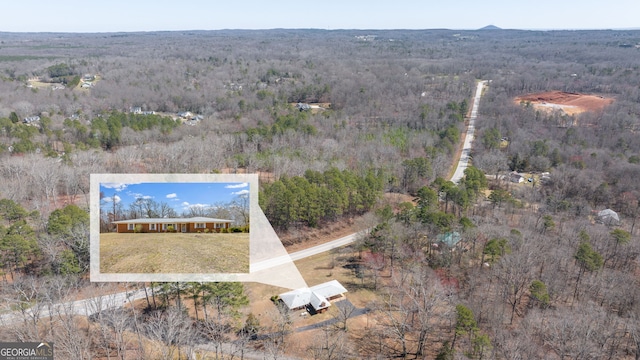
[(174, 228)]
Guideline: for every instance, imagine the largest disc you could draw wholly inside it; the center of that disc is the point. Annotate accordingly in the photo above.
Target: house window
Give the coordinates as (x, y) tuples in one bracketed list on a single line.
[(152, 227), (130, 226), (200, 225), (219, 225), (165, 227)]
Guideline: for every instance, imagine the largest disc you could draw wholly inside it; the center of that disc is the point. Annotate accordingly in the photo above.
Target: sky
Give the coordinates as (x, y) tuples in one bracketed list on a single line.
[(180, 196), (168, 15)]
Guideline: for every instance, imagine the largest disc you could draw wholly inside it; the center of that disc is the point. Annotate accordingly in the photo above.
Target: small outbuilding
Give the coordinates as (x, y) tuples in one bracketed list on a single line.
[(514, 177), (608, 217), (451, 239), (32, 120), (303, 107)]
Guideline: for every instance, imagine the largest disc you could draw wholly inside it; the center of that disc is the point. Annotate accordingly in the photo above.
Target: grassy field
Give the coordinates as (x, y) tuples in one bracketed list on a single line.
[(175, 253)]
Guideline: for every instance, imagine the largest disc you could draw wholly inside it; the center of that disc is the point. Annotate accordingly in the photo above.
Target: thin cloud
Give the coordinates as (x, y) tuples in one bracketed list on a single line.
[(237, 186), (241, 192), (187, 206), (115, 186), (172, 196), (139, 196), (200, 206), (109, 199)]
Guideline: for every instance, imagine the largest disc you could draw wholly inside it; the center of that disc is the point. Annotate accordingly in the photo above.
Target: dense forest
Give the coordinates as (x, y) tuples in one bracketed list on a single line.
[(334, 121)]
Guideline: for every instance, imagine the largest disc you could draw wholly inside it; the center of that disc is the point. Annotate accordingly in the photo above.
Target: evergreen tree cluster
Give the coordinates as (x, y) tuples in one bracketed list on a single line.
[(17, 239), (107, 129), (315, 197), (297, 121)]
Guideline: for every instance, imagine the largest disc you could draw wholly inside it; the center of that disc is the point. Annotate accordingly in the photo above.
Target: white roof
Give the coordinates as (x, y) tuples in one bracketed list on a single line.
[(608, 215), (607, 212), (329, 289), (318, 301), (296, 298), (315, 295), (172, 220)]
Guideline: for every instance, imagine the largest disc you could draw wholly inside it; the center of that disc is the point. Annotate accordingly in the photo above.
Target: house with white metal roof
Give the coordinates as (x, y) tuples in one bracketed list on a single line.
[(318, 297)]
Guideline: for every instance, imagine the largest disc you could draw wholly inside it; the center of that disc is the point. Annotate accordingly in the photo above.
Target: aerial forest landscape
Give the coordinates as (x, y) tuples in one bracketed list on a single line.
[(533, 254)]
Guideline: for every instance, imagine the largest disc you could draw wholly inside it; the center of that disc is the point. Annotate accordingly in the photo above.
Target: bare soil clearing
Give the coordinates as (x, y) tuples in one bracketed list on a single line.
[(570, 103), (174, 253)]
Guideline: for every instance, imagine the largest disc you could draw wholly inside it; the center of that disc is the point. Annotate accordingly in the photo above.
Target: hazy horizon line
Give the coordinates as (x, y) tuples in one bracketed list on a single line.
[(319, 29)]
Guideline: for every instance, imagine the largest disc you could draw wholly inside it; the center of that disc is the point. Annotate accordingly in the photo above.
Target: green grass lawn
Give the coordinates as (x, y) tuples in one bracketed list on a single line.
[(174, 253)]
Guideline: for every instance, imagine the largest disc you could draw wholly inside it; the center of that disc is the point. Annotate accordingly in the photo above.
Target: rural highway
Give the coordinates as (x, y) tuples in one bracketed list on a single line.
[(86, 307), (468, 139), (323, 247)]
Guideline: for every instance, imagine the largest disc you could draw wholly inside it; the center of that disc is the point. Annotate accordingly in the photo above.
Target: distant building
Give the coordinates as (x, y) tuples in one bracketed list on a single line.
[(32, 120), (514, 177), (366, 37), (450, 239), (233, 86), (185, 115), (303, 106), (135, 110), (608, 217), (545, 178)]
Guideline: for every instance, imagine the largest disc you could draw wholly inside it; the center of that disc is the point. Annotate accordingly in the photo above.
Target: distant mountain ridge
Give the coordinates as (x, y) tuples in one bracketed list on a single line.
[(490, 27)]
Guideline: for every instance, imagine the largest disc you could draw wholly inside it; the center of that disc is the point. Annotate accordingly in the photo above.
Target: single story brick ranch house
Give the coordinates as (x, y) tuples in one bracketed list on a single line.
[(317, 297), (160, 225)]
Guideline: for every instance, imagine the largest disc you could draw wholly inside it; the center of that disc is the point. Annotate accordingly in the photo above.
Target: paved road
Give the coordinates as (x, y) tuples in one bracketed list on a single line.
[(324, 247), (468, 139), (86, 307), (284, 259), (281, 260)]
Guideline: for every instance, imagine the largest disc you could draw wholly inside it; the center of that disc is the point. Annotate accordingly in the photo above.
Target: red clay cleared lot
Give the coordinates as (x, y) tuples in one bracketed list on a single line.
[(570, 103)]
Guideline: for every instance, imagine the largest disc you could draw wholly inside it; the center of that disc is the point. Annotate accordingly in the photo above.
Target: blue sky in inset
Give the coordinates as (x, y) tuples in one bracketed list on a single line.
[(167, 15), (180, 196)]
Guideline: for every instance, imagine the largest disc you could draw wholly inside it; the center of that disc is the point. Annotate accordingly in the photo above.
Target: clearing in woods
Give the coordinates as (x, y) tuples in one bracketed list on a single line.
[(569, 103)]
